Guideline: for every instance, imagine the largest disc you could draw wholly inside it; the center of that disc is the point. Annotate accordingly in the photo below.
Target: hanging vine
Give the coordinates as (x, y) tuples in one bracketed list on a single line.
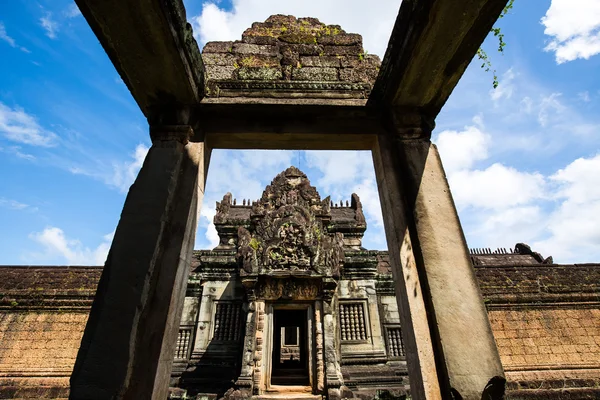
[(483, 57)]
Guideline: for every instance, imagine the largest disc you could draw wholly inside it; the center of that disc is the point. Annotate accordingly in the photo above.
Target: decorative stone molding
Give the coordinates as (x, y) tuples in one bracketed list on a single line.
[(410, 123), (169, 133), (288, 234)]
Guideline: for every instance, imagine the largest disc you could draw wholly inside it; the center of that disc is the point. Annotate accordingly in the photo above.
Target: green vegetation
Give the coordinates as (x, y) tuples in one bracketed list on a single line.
[(254, 243), (482, 55)]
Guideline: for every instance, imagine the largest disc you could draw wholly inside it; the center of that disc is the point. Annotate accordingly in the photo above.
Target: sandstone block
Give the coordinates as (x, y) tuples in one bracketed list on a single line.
[(303, 49), (217, 47), (219, 59), (315, 74), (343, 50), (280, 19), (257, 61), (298, 38), (371, 60), (258, 49), (264, 74), (259, 39), (347, 39), (360, 74), (316, 61), (220, 72)]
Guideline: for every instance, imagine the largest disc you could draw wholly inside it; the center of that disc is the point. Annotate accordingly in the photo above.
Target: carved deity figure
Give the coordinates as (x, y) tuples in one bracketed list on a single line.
[(288, 231)]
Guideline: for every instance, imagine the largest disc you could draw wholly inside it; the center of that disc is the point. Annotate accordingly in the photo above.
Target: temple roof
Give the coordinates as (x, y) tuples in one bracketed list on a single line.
[(291, 57), (519, 256), (291, 186)]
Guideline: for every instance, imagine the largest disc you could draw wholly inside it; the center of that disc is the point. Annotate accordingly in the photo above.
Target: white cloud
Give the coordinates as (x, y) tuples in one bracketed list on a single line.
[(574, 28), (16, 205), (49, 25), (584, 96), (549, 108), (341, 170), (4, 36), (506, 227), (243, 173), (460, 150), (496, 187), (207, 215), (125, 173), (373, 20), (574, 225), (16, 151), (505, 88), (18, 126), (119, 174), (55, 243), (72, 11)]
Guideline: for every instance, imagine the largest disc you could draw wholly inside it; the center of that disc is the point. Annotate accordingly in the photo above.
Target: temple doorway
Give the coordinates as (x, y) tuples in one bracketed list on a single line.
[(289, 363)]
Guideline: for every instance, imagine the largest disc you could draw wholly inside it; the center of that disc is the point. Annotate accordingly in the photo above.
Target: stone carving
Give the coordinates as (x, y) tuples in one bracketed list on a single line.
[(288, 289), (222, 208), (288, 231), (285, 55)]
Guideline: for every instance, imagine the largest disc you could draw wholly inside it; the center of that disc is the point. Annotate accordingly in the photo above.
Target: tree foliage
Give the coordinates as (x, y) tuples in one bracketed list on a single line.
[(483, 57)]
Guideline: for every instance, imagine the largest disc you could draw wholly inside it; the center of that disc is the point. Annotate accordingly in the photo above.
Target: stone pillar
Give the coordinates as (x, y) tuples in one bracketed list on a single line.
[(319, 346), (451, 350), (128, 344), (333, 373), (258, 378)]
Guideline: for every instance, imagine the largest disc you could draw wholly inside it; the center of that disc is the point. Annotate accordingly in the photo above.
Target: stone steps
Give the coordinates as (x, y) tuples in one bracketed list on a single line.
[(277, 392), (287, 396)]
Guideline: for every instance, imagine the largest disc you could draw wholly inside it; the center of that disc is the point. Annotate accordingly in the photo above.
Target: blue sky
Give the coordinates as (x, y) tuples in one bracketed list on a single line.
[(522, 160)]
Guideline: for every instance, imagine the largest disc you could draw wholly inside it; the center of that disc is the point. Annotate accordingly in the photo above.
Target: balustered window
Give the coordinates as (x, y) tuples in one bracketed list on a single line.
[(353, 325), (395, 342), (227, 322), (184, 340)]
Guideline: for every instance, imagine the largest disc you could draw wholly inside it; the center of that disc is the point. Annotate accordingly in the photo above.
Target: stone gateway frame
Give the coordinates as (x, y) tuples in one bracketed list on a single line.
[(195, 103)]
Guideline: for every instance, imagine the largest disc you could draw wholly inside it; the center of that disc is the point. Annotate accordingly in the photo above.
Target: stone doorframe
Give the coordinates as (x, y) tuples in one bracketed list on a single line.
[(267, 366)]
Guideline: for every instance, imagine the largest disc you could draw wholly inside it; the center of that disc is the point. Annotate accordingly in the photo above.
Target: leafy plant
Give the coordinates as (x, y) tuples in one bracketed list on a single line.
[(482, 54)]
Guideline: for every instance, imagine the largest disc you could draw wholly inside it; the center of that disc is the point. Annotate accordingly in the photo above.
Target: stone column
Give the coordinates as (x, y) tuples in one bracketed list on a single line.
[(333, 373), (319, 346), (128, 344), (258, 381), (450, 346), (244, 382)]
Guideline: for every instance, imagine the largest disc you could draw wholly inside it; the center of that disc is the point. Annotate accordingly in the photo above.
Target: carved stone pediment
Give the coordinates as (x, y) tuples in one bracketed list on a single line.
[(288, 231), (289, 289)]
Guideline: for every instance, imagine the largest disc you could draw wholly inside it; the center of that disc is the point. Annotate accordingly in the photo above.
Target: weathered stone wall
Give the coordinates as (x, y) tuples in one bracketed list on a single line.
[(43, 312), (557, 337), (289, 49), (546, 321), (38, 351)]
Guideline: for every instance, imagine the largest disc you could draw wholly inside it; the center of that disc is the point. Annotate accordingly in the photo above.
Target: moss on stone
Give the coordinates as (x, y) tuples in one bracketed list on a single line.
[(259, 61), (254, 243)]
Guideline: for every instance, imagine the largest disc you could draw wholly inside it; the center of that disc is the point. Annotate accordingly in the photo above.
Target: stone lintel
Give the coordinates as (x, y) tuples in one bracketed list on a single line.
[(152, 48), (431, 45), (288, 124)]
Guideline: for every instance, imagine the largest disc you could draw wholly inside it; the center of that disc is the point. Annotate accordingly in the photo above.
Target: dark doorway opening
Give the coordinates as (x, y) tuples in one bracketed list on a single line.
[(290, 348)]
